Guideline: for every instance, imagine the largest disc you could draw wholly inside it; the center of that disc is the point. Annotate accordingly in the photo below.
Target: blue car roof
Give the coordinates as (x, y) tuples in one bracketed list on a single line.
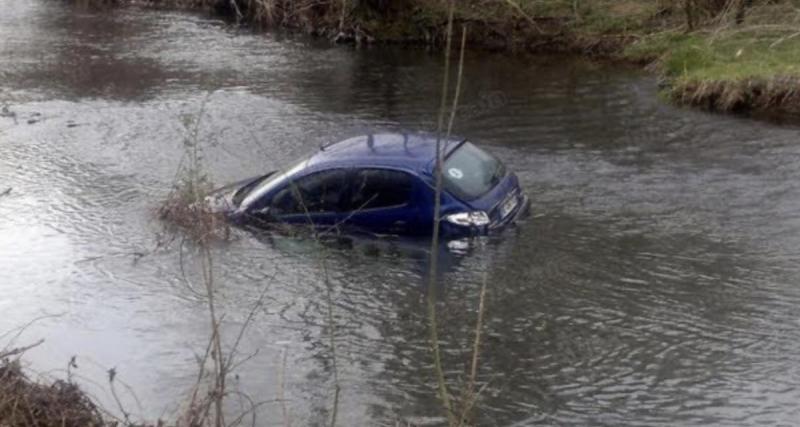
[(395, 150)]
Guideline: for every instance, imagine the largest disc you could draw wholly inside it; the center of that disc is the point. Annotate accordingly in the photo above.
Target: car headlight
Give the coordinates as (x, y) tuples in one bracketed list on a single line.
[(468, 219)]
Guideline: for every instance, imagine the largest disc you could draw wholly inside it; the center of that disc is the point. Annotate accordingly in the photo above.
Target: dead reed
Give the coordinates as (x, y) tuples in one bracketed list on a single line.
[(25, 402), (778, 94), (185, 207)]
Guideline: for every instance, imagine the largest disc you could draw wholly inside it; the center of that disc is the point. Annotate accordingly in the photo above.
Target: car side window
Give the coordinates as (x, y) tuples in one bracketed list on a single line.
[(380, 188), (285, 201), (319, 192)]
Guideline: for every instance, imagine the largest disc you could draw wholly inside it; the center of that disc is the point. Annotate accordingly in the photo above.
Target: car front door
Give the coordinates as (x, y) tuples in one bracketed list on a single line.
[(318, 199)]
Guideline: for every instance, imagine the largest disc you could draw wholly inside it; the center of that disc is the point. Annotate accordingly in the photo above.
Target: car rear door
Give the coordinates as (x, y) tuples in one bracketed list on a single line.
[(383, 201)]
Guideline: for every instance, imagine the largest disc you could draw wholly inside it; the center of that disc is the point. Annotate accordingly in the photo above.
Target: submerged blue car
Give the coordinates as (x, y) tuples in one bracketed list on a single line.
[(382, 184)]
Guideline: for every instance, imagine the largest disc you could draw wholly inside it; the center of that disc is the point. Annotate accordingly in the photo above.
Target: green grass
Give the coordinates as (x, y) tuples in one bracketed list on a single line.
[(767, 45), (617, 17), (655, 46), (582, 16), (734, 57), (747, 68)]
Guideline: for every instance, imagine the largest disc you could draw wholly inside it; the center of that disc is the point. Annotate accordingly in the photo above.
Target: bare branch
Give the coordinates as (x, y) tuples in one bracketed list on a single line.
[(19, 350)]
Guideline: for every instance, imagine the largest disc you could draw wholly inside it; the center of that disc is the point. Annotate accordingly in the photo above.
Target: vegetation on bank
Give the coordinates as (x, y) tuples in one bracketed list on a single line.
[(728, 55), (733, 62), (24, 402)]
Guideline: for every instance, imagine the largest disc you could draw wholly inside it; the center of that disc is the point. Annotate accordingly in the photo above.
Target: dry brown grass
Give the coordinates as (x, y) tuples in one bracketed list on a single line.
[(186, 207), (779, 94), (25, 402), (193, 217)]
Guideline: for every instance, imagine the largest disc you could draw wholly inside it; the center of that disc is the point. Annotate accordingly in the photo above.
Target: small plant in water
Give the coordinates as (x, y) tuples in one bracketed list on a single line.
[(186, 209), (185, 206)]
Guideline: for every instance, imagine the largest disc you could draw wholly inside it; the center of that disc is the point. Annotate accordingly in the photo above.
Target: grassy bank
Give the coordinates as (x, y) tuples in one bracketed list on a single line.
[(751, 66), (588, 26)]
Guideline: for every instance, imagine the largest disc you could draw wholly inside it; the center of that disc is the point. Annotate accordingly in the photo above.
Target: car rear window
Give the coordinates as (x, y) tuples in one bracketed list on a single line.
[(380, 188), (470, 172)]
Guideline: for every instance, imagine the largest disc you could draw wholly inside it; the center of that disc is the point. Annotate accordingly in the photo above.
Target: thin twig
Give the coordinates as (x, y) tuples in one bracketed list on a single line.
[(342, 15), (216, 356), (235, 7), (522, 12), (779, 41), (19, 350), (444, 394), (112, 373), (457, 95), (469, 393), (20, 330), (259, 302), (329, 299), (287, 421), (332, 336)]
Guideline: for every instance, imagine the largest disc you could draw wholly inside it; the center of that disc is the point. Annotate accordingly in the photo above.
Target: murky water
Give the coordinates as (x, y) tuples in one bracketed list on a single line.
[(656, 282)]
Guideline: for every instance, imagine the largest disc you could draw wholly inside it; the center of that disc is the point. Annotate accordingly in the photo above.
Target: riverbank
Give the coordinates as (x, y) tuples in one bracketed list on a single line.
[(25, 402), (721, 55), (751, 67)]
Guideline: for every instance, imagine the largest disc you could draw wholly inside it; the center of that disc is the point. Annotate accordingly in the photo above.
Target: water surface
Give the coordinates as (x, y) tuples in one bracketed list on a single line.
[(655, 283)]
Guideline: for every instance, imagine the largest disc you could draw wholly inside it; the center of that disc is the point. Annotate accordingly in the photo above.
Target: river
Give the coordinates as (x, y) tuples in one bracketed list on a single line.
[(654, 284)]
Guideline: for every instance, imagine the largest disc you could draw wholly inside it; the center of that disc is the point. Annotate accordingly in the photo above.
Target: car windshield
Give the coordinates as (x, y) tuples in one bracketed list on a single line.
[(269, 183), (242, 192), (470, 172)]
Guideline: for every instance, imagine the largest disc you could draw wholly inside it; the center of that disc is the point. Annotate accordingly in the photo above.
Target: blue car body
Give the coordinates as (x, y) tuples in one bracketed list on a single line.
[(382, 184)]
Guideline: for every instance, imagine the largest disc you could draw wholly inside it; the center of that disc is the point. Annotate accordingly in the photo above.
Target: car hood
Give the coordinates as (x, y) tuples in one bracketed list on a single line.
[(223, 199)]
